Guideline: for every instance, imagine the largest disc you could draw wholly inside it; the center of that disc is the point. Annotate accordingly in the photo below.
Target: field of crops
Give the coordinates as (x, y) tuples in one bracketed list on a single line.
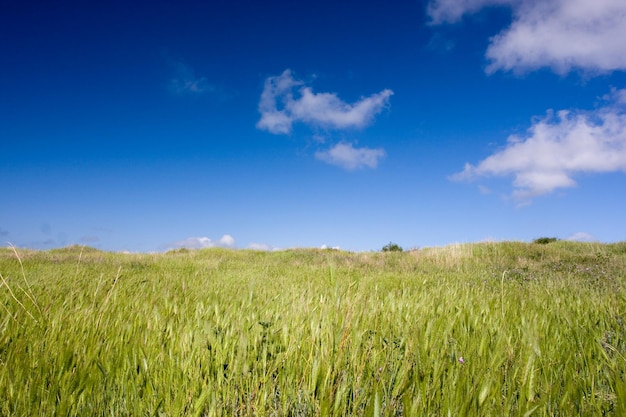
[(488, 329)]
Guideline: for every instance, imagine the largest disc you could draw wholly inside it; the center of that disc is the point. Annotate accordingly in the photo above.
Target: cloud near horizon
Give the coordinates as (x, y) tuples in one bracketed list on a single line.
[(314, 109), (581, 237), (557, 147), (226, 241), (261, 247), (560, 34), (346, 156)]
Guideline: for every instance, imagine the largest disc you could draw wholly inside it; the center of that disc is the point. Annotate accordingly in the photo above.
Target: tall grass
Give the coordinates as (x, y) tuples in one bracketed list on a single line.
[(487, 329)]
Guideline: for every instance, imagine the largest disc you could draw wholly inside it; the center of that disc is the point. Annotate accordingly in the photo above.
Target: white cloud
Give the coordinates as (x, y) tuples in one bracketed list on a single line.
[(261, 247), (617, 96), (581, 237), (194, 243), (186, 82), (226, 240), (350, 158), (451, 11), (560, 34), (328, 110), (556, 148), (204, 242), (317, 109), (484, 190)]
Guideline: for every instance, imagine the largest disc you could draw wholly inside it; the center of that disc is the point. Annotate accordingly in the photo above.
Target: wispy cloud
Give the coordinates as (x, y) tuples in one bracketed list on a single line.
[(346, 156), (280, 107), (581, 237), (186, 82), (44, 244), (557, 147), (261, 246), (451, 11), (89, 239), (440, 43), (226, 241), (560, 34)]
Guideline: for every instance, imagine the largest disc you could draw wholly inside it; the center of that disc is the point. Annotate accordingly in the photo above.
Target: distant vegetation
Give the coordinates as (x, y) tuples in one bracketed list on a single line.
[(392, 247), (489, 329), (545, 240)]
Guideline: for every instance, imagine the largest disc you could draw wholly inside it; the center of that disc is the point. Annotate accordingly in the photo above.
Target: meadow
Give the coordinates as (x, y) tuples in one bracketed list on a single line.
[(485, 329)]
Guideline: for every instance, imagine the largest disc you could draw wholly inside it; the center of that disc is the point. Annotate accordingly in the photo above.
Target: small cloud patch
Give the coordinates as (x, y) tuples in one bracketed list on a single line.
[(581, 237), (261, 247), (185, 81), (350, 158), (226, 241)]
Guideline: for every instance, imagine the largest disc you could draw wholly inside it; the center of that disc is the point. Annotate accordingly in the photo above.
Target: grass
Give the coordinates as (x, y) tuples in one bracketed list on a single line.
[(490, 329)]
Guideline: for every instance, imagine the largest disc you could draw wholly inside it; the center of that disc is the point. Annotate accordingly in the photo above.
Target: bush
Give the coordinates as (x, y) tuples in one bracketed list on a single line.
[(392, 247), (545, 240)]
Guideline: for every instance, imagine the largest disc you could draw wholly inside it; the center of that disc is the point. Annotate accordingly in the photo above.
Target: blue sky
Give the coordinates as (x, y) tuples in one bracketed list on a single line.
[(144, 126)]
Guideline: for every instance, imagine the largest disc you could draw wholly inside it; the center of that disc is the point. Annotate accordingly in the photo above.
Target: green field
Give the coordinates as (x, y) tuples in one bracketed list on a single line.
[(489, 329)]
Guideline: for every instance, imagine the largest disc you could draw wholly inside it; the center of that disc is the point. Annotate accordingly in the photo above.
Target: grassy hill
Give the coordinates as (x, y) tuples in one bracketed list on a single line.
[(489, 329)]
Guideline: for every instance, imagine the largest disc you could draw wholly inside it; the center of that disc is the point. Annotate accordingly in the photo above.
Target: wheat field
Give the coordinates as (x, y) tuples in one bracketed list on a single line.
[(485, 329)]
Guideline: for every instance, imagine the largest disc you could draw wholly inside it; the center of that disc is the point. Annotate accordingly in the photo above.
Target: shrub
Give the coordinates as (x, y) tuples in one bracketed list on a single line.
[(392, 247), (545, 240)]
